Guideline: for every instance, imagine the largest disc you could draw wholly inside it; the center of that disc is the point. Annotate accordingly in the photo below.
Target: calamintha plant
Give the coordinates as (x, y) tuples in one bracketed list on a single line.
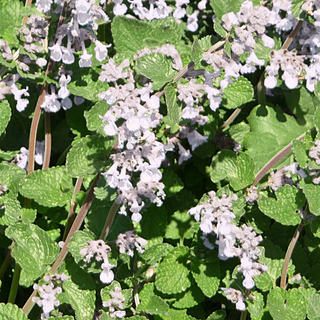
[(160, 159)]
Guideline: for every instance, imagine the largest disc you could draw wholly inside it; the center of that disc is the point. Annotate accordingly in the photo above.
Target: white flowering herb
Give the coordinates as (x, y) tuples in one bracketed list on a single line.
[(159, 159)]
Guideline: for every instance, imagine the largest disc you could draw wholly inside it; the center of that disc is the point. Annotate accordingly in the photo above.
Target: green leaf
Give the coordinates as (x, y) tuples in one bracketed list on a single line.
[(88, 155), (85, 83), (191, 298), (217, 315), (238, 131), (179, 225), (287, 305), (255, 305), (158, 68), (284, 209), (155, 253), (316, 118), (154, 222), (237, 169), (231, 97), (266, 138), (172, 273), (50, 188), (78, 242), (11, 175), (5, 115), (311, 191), (297, 10), (173, 184), (300, 153), (11, 312), (33, 250), (173, 104), (150, 302), (199, 47), (12, 210), (207, 275), (221, 7), (79, 291), (131, 35), (313, 309), (303, 104), (92, 116), (10, 19)]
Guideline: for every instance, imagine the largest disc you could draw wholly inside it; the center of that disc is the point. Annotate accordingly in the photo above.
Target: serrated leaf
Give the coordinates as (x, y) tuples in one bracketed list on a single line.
[(238, 169), (207, 275), (88, 155), (302, 103), (286, 305), (255, 305), (180, 223), (33, 250), (266, 280), (173, 107), (266, 138), (5, 115), (191, 298), (173, 184), (231, 97), (158, 68), (297, 10), (156, 252), (199, 47), (50, 188), (313, 309), (217, 315), (172, 274), (12, 210), (11, 312), (78, 242), (92, 115), (85, 83), (238, 131), (78, 291), (311, 191), (300, 152), (222, 7), (285, 209), (11, 175), (131, 35), (153, 223), (150, 302)]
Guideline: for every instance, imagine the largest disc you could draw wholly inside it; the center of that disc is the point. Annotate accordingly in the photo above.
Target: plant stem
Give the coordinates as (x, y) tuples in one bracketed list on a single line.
[(6, 262), (72, 211), (107, 226), (292, 35), (47, 148), (64, 251), (289, 254), (14, 284), (275, 159)]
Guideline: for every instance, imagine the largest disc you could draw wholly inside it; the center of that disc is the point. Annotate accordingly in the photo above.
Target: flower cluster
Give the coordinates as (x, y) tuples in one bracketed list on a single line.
[(139, 150), (22, 158), (127, 242), (101, 251), (115, 303), (48, 292), (215, 216)]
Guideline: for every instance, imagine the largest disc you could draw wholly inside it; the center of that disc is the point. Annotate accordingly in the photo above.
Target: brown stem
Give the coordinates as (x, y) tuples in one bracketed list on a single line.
[(107, 226), (275, 159), (72, 211), (292, 35), (64, 251), (289, 254), (47, 152)]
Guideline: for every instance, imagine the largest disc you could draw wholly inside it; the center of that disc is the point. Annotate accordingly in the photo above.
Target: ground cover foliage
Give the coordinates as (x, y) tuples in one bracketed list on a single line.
[(159, 159)]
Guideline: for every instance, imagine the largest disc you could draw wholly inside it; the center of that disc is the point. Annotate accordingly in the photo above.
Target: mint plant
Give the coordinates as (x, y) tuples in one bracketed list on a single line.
[(159, 159)]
